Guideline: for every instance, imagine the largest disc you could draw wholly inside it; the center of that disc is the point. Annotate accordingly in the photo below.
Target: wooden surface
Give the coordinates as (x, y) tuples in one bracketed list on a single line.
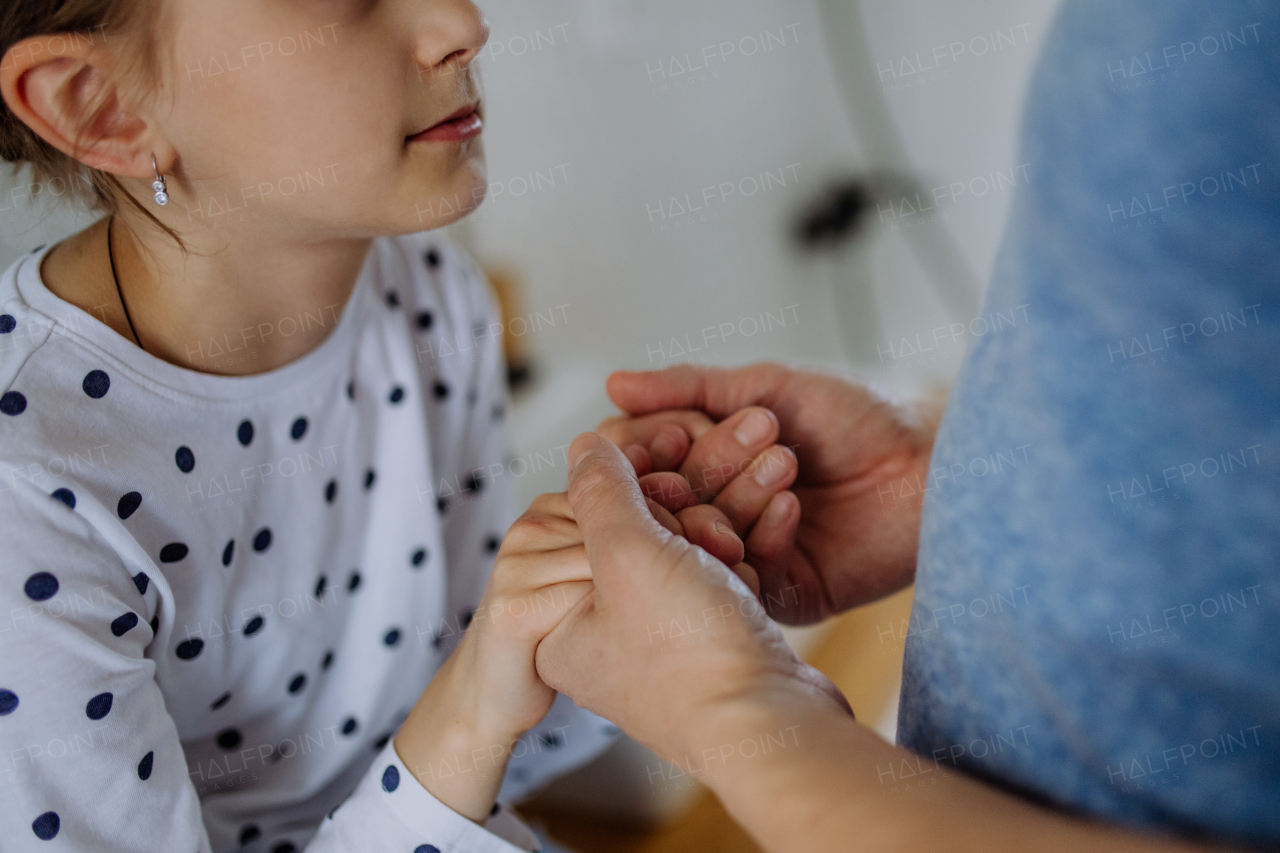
[(862, 654)]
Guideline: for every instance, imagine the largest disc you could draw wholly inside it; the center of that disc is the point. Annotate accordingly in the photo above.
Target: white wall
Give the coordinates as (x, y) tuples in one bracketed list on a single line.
[(598, 110)]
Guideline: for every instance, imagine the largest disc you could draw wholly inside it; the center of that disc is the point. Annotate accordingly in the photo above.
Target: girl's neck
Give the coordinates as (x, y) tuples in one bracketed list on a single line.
[(230, 307)]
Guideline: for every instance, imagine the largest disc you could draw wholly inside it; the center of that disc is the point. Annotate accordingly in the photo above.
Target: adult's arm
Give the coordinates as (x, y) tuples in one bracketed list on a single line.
[(674, 648)]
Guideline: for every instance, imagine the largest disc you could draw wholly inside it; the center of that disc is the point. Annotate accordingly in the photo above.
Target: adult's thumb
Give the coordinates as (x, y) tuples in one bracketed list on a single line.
[(610, 509)]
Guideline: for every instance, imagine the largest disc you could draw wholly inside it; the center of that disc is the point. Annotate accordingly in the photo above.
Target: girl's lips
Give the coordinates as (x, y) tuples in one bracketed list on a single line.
[(454, 129)]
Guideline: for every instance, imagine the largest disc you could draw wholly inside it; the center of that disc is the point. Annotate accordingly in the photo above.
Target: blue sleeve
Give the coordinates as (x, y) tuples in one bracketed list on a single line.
[(1095, 595)]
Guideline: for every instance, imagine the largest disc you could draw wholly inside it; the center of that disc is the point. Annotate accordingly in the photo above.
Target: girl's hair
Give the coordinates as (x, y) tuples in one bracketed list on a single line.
[(136, 70)]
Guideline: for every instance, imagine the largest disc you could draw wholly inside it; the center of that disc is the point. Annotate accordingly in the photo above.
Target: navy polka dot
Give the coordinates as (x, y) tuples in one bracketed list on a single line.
[(7, 324), (8, 702), (253, 626), (220, 701), (99, 706), (327, 660), (353, 582), (299, 681), (467, 617), (65, 496), (128, 505), (96, 384), (229, 739), (245, 433), (46, 826), (284, 847), (122, 625), (299, 429), (473, 484), (190, 649), (321, 585), (349, 727), (41, 586), (441, 390), (12, 404), (392, 637), (369, 477), (382, 741), (155, 625), (262, 540), (185, 459), (551, 740), (331, 491), (393, 299), (397, 395), (492, 544), (249, 834), (426, 320), (390, 778), (228, 552), (173, 552), (432, 258), (426, 848), (496, 808), (144, 766), (141, 581), (442, 505), (419, 557), (351, 389)]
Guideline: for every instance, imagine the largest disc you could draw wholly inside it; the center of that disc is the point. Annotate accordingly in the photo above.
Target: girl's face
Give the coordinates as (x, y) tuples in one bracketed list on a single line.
[(305, 118)]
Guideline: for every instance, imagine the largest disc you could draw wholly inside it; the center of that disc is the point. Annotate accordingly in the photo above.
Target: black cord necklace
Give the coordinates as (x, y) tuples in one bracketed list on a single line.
[(120, 292)]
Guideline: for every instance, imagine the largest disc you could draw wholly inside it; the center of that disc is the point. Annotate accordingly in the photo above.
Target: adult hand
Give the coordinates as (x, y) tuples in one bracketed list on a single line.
[(848, 530), (668, 639)]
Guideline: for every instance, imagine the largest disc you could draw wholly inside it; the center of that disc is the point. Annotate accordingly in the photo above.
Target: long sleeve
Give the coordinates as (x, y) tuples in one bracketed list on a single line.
[(88, 754)]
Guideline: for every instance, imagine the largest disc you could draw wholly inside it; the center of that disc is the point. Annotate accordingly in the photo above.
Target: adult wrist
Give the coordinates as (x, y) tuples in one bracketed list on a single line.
[(766, 718)]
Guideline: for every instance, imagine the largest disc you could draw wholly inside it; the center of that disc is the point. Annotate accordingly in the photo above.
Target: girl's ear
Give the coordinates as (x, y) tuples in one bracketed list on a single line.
[(51, 84)]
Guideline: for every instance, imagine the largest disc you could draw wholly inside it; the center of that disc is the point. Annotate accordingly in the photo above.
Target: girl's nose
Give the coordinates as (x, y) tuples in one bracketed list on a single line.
[(453, 34)]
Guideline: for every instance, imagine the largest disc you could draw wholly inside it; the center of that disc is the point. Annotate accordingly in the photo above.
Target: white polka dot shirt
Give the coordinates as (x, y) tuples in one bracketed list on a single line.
[(221, 595)]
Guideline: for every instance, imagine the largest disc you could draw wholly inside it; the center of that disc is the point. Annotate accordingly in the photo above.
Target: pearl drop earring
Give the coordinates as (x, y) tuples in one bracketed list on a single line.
[(162, 195)]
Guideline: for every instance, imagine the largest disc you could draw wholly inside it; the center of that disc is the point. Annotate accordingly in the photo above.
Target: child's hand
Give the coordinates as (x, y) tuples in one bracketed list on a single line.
[(733, 466), (459, 736)]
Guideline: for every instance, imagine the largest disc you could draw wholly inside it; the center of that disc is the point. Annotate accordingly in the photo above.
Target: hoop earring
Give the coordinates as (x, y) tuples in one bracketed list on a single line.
[(162, 195)]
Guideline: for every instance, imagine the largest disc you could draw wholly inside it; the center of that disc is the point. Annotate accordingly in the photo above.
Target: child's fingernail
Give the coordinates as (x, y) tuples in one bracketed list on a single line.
[(755, 428), (723, 529)]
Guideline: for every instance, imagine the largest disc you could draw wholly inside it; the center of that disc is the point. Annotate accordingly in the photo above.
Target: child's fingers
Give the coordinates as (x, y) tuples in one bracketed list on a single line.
[(639, 458), (725, 451), (707, 527), (664, 517), (769, 545), (667, 435), (749, 577), (746, 496), (669, 489)]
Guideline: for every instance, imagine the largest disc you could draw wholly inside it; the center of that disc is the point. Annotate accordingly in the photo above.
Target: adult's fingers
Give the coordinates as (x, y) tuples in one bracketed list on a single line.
[(717, 391), (769, 549), (723, 452), (763, 477)]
